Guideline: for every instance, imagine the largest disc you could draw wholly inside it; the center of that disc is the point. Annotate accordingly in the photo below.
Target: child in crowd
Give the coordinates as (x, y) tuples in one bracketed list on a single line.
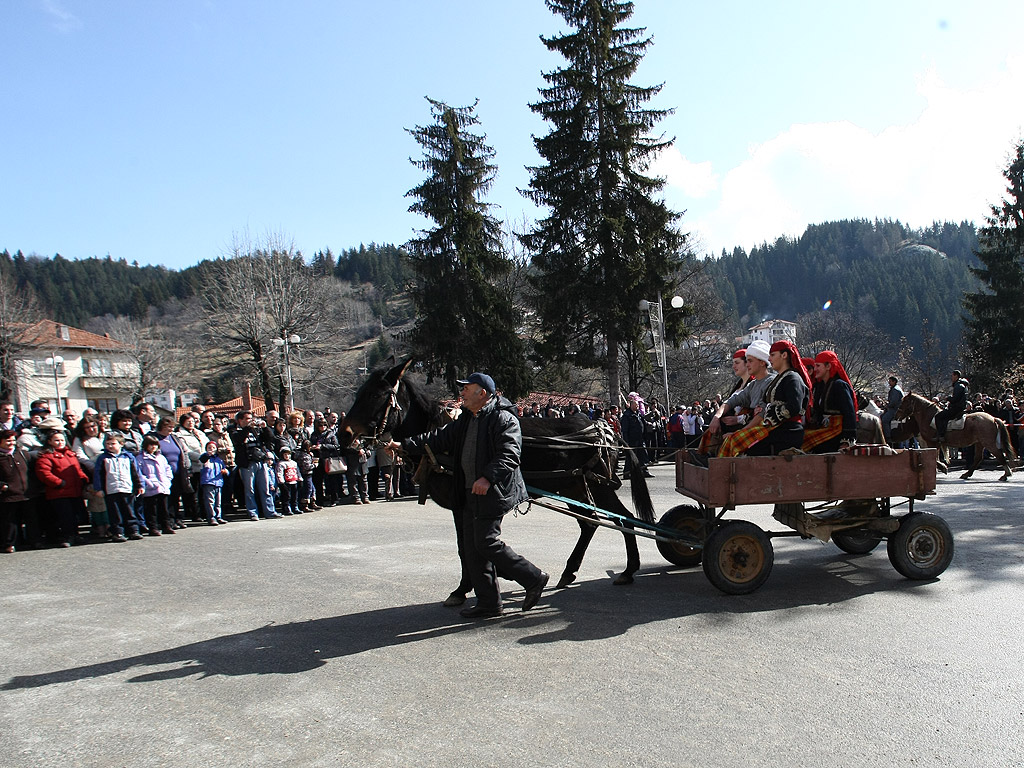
[(156, 476), (64, 480), (287, 471), (211, 483), (116, 478), (358, 486), (267, 468), (307, 463)]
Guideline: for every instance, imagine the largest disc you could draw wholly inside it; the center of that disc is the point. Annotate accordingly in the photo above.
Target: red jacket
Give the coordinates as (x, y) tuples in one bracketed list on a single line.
[(61, 474)]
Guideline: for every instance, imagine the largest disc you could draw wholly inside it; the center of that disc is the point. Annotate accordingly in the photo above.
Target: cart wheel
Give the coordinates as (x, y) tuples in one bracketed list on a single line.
[(922, 548), (855, 541), (690, 521), (738, 557)]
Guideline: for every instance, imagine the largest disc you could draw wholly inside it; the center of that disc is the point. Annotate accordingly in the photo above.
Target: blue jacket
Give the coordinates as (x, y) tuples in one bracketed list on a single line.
[(210, 474)]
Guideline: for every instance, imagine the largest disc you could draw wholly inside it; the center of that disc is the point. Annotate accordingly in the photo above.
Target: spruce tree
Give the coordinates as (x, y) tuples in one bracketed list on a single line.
[(994, 324), (607, 241), (466, 321)]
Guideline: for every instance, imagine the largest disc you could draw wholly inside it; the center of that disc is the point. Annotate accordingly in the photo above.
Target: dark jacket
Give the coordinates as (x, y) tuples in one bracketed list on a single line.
[(252, 445), (14, 474), (499, 447), (632, 428), (958, 398)]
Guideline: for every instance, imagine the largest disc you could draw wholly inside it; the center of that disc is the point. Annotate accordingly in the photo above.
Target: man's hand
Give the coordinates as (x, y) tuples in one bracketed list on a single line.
[(715, 426), (481, 486)]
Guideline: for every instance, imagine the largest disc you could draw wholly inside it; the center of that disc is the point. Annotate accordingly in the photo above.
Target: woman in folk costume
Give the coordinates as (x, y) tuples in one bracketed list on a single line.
[(728, 418), (779, 425), (832, 419)]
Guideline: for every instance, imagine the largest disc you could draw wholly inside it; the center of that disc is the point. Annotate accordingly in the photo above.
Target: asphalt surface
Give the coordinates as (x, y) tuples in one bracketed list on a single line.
[(320, 640)]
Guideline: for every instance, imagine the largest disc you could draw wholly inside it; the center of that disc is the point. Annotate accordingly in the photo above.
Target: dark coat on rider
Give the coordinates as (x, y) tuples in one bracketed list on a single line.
[(498, 450)]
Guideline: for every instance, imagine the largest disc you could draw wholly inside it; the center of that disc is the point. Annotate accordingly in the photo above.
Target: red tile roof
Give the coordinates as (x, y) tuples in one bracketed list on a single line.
[(46, 334)]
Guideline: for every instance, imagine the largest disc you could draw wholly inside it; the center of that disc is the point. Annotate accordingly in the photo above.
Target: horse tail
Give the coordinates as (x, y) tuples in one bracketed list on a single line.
[(1006, 440), (638, 489)]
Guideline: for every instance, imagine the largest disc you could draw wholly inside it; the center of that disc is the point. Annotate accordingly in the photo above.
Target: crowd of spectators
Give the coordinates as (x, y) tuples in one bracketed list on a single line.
[(130, 474)]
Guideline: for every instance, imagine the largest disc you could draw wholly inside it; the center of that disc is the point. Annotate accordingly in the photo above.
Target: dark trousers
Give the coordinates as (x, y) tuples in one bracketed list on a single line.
[(122, 517), (62, 519), (489, 557), (780, 438), (11, 514), (156, 512), (289, 493), (182, 489)]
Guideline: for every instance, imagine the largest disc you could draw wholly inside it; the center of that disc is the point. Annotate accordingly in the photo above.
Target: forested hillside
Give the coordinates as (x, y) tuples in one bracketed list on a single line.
[(880, 271), (74, 291)]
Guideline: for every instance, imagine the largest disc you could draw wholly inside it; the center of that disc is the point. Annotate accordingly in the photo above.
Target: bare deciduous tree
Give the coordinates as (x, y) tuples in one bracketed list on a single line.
[(155, 360), (261, 292), (863, 348), (18, 310)]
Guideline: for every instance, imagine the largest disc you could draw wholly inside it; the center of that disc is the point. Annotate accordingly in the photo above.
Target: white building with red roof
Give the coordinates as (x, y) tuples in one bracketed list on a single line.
[(71, 368)]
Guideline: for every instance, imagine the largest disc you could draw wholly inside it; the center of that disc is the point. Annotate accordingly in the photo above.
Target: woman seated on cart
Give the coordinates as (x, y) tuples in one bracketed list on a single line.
[(779, 424), (832, 419)]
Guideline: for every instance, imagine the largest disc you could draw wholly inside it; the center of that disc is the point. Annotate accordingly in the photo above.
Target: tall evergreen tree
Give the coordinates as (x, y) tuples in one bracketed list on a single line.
[(465, 320), (607, 242), (994, 324)]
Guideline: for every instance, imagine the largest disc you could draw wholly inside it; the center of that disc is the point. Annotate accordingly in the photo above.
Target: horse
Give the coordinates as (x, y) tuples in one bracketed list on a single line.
[(869, 429), (983, 431), (572, 457)]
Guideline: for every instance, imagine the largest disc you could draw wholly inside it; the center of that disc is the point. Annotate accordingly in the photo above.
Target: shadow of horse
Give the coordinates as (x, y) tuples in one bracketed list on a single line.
[(578, 614)]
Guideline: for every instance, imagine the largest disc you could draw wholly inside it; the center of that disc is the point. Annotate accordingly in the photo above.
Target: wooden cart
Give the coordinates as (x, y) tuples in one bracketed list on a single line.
[(854, 510)]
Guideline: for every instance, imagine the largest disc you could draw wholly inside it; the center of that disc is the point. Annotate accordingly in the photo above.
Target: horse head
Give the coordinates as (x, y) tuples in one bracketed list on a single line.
[(378, 406)]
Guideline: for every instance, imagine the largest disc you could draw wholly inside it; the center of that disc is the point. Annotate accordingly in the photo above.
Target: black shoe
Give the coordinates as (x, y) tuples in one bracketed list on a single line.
[(700, 459), (533, 593), (454, 599), (119, 538), (647, 473), (480, 612)]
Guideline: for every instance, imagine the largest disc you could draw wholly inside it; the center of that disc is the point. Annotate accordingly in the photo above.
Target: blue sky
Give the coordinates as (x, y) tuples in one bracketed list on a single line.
[(157, 131)]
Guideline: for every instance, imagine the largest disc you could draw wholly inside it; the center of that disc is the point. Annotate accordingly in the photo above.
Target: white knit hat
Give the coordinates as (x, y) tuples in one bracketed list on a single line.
[(759, 349)]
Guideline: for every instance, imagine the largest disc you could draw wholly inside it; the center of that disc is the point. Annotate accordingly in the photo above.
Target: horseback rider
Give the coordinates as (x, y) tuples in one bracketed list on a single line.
[(955, 407), (891, 406)]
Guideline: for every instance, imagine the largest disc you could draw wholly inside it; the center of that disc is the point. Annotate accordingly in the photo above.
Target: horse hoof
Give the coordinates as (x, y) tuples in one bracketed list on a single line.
[(965, 476), (623, 579), (566, 580)]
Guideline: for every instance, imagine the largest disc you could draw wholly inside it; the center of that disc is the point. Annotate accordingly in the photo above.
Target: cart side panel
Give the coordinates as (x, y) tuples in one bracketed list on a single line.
[(815, 477)]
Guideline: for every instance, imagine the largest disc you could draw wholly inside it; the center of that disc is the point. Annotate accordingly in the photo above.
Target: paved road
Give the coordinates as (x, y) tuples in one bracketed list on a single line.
[(321, 641)]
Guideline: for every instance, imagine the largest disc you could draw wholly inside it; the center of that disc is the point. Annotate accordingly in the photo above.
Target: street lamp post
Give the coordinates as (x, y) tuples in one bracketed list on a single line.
[(55, 360), (286, 341), (657, 318)]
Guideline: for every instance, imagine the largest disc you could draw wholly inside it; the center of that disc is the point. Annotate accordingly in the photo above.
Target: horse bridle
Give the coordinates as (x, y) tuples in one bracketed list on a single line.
[(382, 426)]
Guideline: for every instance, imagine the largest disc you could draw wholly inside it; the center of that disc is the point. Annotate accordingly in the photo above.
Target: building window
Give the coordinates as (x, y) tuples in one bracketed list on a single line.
[(103, 404), (97, 367), (44, 368)]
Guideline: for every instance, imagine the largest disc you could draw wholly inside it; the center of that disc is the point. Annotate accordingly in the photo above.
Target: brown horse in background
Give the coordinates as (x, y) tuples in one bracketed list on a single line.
[(983, 431)]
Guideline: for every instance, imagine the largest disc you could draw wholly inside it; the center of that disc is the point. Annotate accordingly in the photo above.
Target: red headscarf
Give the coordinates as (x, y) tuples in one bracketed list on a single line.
[(740, 353), (836, 369), (795, 362)]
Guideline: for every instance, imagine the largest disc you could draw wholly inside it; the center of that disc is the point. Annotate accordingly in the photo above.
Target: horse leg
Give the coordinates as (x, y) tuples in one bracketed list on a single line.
[(572, 565), (632, 554), (979, 453)]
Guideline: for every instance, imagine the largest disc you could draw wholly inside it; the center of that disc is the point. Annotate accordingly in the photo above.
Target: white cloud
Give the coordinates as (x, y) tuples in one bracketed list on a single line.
[(945, 166), (63, 19), (694, 179)]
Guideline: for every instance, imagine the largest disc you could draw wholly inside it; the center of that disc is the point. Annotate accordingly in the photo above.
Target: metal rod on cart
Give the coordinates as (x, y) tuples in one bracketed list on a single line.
[(607, 524)]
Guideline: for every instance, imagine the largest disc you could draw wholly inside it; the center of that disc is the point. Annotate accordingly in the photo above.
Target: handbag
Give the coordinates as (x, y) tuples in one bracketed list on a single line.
[(335, 465)]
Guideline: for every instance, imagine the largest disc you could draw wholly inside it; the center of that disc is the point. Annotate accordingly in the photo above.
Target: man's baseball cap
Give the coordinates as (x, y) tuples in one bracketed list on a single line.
[(480, 379)]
